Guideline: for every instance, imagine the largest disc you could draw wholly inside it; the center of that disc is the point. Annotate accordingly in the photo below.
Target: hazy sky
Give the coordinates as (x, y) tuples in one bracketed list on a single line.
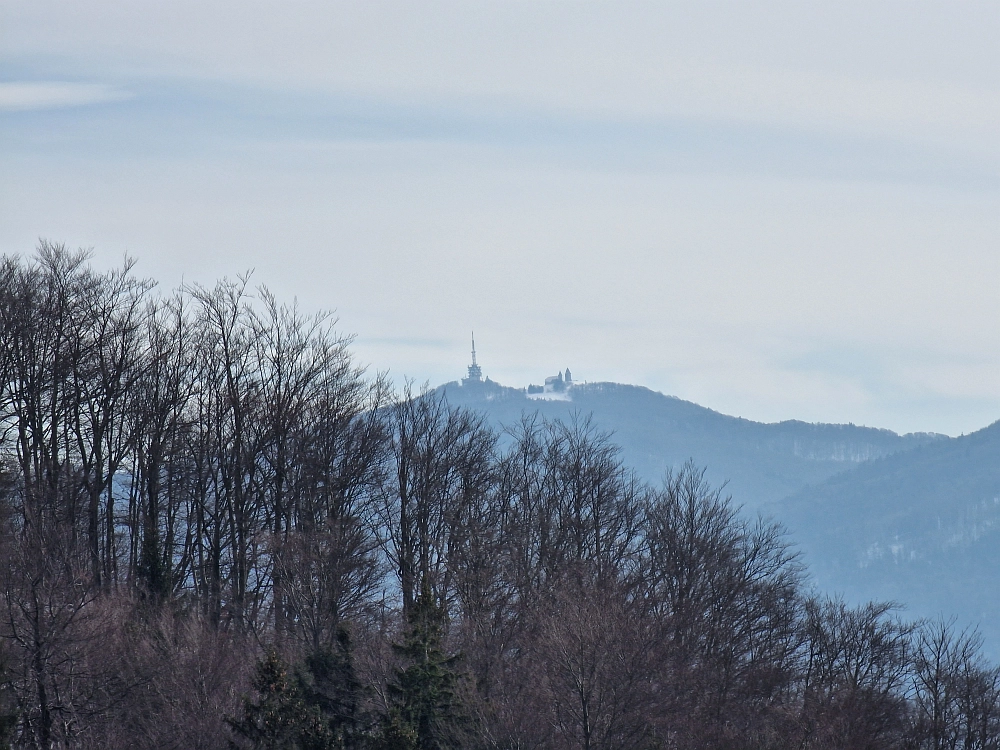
[(778, 210)]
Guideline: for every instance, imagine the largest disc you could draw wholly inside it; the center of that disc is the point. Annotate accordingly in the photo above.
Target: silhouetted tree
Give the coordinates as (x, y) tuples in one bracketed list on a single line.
[(280, 718), (955, 695), (443, 456), (185, 478), (855, 676), (423, 696), (328, 681)]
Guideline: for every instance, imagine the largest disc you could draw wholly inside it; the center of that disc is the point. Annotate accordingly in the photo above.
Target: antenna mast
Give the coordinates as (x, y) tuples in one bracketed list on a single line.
[(475, 371)]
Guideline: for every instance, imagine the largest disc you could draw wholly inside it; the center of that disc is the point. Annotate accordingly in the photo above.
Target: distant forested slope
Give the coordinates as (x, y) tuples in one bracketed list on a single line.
[(913, 519), (761, 462), (921, 527)]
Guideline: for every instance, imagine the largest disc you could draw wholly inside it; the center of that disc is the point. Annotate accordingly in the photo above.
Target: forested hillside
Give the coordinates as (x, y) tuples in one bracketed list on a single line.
[(218, 530), (760, 463), (921, 527)]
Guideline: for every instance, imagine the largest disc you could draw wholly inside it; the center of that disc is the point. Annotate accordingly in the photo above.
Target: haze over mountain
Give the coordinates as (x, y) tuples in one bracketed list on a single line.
[(909, 518), (921, 527), (760, 462)]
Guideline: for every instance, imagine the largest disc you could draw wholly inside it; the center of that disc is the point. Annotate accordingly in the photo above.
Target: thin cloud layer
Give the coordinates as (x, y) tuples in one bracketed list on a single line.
[(913, 69), (22, 96)]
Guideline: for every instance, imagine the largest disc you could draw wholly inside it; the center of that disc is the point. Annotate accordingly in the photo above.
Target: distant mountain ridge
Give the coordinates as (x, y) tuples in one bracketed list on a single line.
[(911, 518), (761, 462), (920, 527)]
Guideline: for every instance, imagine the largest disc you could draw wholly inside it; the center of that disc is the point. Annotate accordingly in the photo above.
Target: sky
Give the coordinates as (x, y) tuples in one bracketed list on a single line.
[(776, 210)]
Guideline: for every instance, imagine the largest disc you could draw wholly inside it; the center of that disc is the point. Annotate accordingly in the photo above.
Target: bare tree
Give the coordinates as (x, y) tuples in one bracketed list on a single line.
[(186, 482), (160, 551), (954, 695), (110, 364), (442, 458), (723, 592), (593, 661), (855, 676)]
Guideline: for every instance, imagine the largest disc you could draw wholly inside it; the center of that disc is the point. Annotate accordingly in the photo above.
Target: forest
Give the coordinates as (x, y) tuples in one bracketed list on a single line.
[(219, 530)]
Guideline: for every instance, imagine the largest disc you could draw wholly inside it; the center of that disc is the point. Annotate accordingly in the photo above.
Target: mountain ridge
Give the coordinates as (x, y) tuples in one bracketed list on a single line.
[(760, 462), (911, 518), (921, 527)]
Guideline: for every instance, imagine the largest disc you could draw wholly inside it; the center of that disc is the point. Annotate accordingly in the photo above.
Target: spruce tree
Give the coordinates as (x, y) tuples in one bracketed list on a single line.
[(280, 718), (329, 684), (425, 712), (8, 712)]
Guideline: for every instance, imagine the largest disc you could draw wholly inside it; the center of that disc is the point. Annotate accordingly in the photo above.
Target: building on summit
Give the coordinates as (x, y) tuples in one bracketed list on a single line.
[(475, 386), (554, 384)]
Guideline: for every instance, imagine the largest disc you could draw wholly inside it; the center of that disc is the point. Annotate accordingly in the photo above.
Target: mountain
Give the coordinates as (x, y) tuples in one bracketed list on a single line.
[(920, 527), (761, 462), (908, 518)]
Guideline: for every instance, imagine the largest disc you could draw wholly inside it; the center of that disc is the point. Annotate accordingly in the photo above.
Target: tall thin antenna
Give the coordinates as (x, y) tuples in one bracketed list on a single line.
[(475, 371)]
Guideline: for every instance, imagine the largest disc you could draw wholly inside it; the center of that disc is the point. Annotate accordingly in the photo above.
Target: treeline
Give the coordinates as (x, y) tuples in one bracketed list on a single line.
[(219, 531)]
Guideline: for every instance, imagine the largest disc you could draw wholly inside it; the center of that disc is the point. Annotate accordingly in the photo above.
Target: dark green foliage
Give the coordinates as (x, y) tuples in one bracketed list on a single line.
[(8, 701), (7, 723), (151, 570), (395, 735), (316, 706), (329, 684), (280, 719), (426, 713), (8, 710)]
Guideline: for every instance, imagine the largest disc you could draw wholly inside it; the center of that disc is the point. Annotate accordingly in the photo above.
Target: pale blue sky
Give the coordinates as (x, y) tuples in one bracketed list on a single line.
[(778, 210)]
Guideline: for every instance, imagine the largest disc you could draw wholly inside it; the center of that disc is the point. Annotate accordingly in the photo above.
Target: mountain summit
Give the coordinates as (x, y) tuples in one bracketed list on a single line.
[(761, 462), (908, 518)]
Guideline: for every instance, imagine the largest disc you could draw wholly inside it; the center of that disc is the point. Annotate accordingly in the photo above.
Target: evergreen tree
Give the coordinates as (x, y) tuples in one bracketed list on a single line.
[(395, 735), (329, 684), (281, 718), (425, 713)]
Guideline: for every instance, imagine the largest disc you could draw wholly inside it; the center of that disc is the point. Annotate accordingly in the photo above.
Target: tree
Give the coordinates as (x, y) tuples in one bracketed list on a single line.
[(159, 417), (278, 494), (955, 694), (280, 718), (8, 712), (443, 456), (723, 593), (855, 675), (424, 702), (593, 659), (329, 682)]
